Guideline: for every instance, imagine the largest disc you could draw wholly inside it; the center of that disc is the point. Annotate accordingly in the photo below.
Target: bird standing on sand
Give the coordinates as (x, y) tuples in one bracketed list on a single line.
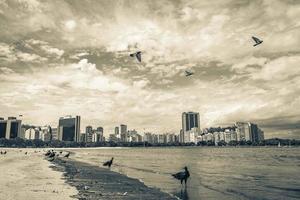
[(108, 163), (67, 155), (182, 176), (138, 55)]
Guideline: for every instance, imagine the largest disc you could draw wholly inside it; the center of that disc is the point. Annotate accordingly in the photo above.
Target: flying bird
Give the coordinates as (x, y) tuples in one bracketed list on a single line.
[(257, 41), (183, 175), (138, 55), (188, 73), (108, 163)]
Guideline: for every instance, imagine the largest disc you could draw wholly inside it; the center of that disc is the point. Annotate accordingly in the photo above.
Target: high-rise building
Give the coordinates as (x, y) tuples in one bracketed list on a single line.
[(117, 131), (243, 132), (100, 129), (10, 128), (97, 136), (189, 120), (248, 131), (148, 137), (123, 129), (181, 136), (89, 133), (54, 133), (82, 137), (69, 128), (30, 134), (46, 133)]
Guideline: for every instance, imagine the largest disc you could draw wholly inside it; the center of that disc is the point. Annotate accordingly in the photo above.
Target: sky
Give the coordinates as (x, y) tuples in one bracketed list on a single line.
[(71, 57)]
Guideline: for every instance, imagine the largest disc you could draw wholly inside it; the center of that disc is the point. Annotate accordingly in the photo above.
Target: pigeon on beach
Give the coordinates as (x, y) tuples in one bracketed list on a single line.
[(108, 163), (183, 175), (67, 155)]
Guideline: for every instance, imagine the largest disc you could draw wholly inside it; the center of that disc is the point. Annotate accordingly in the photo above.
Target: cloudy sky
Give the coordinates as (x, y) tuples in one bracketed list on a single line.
[(70, 57)]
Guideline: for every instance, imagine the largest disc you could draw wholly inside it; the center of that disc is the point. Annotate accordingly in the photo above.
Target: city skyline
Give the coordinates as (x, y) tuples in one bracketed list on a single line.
[(58, 59)]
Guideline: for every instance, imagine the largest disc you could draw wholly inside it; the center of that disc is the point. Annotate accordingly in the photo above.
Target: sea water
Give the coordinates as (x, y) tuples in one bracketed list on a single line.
[(216, 173)]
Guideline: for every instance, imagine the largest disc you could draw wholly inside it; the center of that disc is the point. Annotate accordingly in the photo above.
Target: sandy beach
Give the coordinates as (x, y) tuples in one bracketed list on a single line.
[(29, 177), (32, 177), (97, 183)]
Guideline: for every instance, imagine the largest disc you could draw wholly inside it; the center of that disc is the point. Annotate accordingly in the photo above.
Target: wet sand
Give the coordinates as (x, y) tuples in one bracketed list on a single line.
[(94, 182), (30, 177)]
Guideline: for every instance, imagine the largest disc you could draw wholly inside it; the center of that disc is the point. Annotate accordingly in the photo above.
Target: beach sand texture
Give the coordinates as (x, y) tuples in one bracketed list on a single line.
[(29, 177), (97, 183)]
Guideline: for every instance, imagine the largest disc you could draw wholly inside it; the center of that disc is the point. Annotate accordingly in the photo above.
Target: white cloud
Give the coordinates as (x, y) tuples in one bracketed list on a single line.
[(6, 70), (279, 69), (27, 57), (70, 25)]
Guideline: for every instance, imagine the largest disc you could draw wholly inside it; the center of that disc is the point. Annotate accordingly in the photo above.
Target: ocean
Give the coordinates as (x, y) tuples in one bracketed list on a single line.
[(216, 173)]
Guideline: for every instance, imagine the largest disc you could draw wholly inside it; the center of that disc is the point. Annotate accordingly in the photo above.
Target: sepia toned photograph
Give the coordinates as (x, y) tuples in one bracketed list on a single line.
[(149, 99)]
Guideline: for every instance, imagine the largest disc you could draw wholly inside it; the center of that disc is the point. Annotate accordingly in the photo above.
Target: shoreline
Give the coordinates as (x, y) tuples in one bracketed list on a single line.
[(26, 174), (95, 183)]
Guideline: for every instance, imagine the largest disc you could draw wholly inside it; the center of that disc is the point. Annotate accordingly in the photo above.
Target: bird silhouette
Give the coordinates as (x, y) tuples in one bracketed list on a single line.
[(188, 73), (108, 163), (67, 155), (51, 155), (257, 41), (183, 175), (138, 55)]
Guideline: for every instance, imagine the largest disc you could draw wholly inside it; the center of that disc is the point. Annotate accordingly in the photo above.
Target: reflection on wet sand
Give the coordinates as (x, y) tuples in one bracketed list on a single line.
[(182, 194)]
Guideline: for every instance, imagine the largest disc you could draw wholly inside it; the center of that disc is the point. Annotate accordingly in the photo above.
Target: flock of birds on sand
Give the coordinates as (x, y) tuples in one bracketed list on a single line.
[(138, 54), (182, 175)]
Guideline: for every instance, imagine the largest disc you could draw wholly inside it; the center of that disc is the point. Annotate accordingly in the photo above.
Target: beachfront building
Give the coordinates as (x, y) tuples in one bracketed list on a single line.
[(233, 135), (260, 135), (171, 137), (69, 128), (209, 137), (216, 136), (191, 135), (247, 131), (181, 136), (189, 120), (162, 139), (82, 137), (113, 138), (135, 137), (148, 137), (243, 132), (123, 129), (117, 131), (97, 136), (227, 135), (54, 133), (30, 133), (10, 128), (89, 133), (46, 133)]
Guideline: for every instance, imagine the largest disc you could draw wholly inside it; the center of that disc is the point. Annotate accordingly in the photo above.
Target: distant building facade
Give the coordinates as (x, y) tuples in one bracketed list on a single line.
[(123, 129), (10, 128), (69, 128), (190, 120)]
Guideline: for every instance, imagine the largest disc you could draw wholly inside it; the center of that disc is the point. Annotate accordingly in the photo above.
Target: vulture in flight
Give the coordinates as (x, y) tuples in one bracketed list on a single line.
[(138, 55), (257, 41)]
